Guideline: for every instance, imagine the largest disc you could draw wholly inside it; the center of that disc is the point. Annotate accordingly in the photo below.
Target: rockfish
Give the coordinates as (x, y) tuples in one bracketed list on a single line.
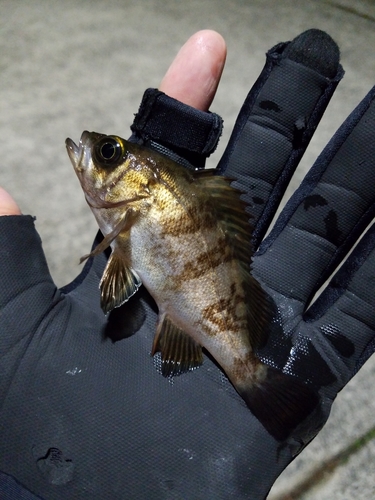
[(185, 236)]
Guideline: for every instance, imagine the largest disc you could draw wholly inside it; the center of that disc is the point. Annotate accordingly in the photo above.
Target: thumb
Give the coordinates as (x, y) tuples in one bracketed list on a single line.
[(7, 205)]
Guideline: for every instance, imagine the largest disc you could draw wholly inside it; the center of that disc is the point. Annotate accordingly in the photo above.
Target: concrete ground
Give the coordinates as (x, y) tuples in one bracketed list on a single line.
[(76, 64)]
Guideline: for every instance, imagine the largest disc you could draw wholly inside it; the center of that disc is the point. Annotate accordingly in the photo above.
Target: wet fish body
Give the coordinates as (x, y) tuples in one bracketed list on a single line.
[(185, 236)]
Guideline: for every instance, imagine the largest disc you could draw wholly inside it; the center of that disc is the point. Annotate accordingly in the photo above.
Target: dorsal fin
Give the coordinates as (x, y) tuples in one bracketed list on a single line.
[(234, 221)]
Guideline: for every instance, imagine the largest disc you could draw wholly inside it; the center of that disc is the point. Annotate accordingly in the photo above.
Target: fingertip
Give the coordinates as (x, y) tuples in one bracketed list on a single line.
[(7, 204), (195, 72)]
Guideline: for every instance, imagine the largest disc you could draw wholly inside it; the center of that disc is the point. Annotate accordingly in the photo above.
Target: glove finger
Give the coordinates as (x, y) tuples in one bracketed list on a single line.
[(327, 214), (338, 332), (278, 119), (351, 295)]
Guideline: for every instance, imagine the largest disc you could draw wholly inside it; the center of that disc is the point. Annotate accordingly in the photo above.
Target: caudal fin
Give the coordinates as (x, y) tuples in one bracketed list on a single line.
[(280, 402)]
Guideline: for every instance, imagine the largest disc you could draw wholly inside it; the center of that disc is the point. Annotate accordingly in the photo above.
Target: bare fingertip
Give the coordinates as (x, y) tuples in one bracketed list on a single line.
[(7, 204), (195, 72)]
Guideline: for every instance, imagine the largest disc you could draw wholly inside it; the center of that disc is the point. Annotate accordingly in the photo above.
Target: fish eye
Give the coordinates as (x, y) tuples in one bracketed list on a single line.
[(108, 151)]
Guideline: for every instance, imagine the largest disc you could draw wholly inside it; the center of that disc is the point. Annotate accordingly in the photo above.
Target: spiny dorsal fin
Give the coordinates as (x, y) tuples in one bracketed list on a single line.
[(118, 283), (234, 221), (179, 352)]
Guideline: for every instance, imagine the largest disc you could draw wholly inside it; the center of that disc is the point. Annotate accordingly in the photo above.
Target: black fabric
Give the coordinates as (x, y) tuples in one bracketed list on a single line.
[(100, 411), (10, 489), (314, 49), (85, 412), (277, 114), (173, 128), (343, 192)]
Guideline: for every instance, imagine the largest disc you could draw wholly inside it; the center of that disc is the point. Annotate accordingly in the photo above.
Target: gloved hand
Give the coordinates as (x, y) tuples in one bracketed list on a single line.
[(84, 413)]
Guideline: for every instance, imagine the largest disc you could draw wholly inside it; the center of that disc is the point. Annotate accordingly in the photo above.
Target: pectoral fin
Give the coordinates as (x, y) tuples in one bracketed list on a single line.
[(118, 283), (125, 222), (179, 352)]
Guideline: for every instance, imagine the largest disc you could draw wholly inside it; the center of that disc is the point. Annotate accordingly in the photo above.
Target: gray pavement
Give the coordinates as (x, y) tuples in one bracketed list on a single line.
[(71, 65)]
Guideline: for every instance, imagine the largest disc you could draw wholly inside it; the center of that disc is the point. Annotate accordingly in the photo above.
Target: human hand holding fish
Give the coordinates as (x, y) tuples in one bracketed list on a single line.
[(184, 233)]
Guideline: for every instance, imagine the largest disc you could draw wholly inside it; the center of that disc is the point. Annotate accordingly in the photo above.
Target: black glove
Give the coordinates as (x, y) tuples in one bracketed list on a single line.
[(84, 413)]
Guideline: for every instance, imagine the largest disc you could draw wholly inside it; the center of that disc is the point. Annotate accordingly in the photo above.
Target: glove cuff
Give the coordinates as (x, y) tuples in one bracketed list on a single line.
[(186, 134)]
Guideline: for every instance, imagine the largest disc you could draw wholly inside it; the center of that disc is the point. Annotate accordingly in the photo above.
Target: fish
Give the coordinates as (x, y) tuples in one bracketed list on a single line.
[(185, 235)]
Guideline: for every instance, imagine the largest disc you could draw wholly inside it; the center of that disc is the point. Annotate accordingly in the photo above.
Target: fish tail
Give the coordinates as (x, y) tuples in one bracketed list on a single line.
[(279, 401)]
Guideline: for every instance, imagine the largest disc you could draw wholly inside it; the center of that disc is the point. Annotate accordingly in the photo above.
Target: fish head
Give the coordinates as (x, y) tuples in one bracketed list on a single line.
[(111, 171)]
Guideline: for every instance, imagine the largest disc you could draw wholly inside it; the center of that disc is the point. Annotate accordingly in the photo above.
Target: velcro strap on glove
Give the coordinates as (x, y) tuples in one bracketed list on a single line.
[(174, 128)]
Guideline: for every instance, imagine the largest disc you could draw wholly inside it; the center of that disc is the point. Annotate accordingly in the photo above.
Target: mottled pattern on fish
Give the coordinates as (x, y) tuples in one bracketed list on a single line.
[(185, 235), (185, 259)]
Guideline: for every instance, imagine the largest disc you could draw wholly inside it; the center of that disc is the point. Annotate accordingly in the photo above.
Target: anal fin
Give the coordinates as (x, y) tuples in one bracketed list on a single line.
[(179, 352), (118, 283), (280, 402)]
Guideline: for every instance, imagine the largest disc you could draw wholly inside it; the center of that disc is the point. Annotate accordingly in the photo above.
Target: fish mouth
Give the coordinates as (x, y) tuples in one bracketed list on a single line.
[(81, 154), (73, 151), (80, 157)]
